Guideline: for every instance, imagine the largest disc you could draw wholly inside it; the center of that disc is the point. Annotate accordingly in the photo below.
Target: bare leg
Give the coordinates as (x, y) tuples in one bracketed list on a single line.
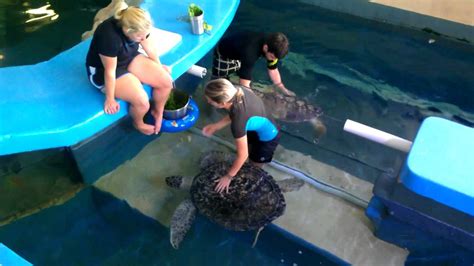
[(159, 96), (129, 88), (150, 72)]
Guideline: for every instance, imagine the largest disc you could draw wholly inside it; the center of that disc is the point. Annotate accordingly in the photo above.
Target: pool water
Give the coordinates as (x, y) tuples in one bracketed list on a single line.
[(29, 38), (95, 228), (381, 75)]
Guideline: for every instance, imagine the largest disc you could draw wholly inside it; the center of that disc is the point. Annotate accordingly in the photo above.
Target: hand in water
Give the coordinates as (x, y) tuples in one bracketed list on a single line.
[(289, 93), (286, 91)]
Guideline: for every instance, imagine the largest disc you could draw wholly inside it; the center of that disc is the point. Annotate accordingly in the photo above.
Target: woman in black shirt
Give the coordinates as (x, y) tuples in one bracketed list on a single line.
[(115, 66)]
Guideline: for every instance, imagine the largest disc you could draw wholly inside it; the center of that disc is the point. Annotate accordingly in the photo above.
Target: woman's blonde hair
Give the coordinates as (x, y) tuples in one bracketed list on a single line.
[(134, 19), (223, 91)]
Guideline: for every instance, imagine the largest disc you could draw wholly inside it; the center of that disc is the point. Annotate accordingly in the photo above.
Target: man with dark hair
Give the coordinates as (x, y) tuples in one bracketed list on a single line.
[(238, 52)]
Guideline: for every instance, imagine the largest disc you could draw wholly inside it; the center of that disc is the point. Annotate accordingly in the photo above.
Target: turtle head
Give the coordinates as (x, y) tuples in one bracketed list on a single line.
[(174, 181)]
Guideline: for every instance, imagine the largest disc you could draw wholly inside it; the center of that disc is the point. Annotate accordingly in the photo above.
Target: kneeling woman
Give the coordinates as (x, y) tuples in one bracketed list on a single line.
[(115, 66), (256, 134)]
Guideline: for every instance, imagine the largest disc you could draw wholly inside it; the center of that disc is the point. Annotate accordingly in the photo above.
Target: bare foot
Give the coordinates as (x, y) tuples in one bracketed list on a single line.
[(158, 121), (145, 128)]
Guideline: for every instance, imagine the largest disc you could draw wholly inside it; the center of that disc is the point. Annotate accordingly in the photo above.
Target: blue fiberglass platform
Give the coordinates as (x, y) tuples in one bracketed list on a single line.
[(431, 211), (51, 104), (8, 257), (440, 165)]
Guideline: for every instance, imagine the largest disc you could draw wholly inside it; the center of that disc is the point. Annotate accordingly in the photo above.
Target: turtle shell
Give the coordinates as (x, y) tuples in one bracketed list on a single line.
[(253, 201)]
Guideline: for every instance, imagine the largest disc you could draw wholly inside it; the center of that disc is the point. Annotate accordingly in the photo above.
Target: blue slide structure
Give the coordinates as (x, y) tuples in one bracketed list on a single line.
[(52, 104)]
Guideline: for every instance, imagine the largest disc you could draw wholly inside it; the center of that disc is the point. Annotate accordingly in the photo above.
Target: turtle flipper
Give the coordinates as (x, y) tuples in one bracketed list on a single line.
[(181, 221), (319, 127), (214, 156), (290, 184)]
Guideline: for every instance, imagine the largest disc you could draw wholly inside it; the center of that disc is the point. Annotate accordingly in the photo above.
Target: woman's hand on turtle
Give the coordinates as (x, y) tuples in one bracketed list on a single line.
[(111, 106), (223, 184)]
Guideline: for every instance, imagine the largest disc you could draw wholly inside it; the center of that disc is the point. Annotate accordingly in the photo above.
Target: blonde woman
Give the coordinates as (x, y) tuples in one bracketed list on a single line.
[(115, 67), (256, 134)]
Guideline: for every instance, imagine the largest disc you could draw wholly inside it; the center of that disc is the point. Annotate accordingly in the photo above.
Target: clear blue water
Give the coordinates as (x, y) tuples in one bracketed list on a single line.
[(381, 75)]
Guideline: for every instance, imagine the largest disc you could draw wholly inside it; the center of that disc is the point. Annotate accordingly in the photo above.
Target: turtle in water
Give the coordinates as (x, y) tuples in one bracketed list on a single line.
[(290, 109), (254, 200)]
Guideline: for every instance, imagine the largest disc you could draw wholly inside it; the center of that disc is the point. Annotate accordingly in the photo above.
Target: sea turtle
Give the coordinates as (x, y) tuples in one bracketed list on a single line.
[(254, 199), (290, 109)]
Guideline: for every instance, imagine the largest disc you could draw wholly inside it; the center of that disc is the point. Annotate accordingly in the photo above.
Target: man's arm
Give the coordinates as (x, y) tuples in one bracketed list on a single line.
[(244, 82), (274, 75)]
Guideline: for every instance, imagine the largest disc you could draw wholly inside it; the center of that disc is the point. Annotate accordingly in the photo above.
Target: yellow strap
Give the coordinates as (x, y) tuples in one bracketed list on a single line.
[(272, 63)]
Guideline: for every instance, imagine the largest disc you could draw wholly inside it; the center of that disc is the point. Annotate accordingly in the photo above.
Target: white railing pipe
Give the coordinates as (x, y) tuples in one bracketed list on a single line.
[(197, 71), (378, 136)]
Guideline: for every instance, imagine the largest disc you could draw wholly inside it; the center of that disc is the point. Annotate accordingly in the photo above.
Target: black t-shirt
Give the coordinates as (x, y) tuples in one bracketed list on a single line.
[(249, 115), (246, 47), (109, 40)]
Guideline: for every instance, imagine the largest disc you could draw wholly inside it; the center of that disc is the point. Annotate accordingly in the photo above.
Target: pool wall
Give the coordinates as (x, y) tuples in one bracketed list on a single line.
[(447, 17)]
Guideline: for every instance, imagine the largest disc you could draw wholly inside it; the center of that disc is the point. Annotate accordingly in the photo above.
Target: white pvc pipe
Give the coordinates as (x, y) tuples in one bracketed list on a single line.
[(378, 136), (197, 71)]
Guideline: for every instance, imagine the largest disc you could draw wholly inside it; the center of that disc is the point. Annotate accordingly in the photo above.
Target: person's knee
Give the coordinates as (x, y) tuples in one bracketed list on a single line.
[(164, 89), (163, 81), (141, 103)]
